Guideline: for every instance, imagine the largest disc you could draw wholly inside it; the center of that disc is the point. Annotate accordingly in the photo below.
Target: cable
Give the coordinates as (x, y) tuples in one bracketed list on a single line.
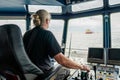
[(94, 68)]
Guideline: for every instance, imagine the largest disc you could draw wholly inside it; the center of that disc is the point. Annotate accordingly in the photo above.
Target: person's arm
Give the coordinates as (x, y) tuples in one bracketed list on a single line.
[(66, 62), (56, 52)]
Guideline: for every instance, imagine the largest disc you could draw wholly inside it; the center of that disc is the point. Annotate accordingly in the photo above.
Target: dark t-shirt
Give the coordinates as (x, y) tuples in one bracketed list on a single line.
[(41, 46)]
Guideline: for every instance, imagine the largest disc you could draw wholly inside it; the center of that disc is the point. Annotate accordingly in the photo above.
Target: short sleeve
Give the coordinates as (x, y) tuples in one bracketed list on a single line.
[(53, 46)]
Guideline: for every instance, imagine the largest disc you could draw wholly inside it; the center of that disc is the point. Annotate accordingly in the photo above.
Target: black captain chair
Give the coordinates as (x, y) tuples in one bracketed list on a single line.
[(13, 57)]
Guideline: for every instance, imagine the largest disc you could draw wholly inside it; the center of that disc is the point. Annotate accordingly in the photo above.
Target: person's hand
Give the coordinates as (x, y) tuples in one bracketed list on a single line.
[(84, 67)]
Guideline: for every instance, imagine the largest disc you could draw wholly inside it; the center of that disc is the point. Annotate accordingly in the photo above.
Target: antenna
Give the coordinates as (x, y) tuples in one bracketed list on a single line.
[(70, 46)]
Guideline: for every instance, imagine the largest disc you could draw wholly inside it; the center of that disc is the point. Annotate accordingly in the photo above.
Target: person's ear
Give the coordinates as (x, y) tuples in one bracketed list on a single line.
[(47, 21)]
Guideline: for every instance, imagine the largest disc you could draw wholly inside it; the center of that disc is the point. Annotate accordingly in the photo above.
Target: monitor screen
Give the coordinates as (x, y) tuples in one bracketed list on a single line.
[(114, 56), (96, 55)]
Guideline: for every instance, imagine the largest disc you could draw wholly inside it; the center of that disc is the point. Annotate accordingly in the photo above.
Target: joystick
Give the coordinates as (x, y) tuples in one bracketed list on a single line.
[(84, 75)]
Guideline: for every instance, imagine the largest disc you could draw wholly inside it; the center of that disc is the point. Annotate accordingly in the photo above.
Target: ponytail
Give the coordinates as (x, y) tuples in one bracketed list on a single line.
[(36, 20)]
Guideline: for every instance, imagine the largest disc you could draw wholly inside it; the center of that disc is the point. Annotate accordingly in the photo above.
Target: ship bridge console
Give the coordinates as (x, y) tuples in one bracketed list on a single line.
[(104, 64)]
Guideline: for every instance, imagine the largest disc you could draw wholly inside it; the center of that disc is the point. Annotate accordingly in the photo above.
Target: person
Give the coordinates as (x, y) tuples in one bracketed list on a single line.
[(41, 45)]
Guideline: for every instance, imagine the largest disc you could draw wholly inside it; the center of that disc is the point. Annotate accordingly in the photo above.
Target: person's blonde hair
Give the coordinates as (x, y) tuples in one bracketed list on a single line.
[(40, 17)]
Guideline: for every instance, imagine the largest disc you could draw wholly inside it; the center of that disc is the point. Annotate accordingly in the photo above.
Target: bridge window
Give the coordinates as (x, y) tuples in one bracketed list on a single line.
[(112, 2), (56, 27), (20, 23), (84, 33), (87, 5), (115, 30), (51, 9)]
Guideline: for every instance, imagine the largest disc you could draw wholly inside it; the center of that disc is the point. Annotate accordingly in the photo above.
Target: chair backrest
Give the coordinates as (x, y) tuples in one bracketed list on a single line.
[(12, 54)]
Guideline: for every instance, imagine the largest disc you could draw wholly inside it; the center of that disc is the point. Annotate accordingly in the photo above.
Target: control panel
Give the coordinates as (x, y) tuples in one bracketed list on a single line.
[(98, 73), (106, 73)]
